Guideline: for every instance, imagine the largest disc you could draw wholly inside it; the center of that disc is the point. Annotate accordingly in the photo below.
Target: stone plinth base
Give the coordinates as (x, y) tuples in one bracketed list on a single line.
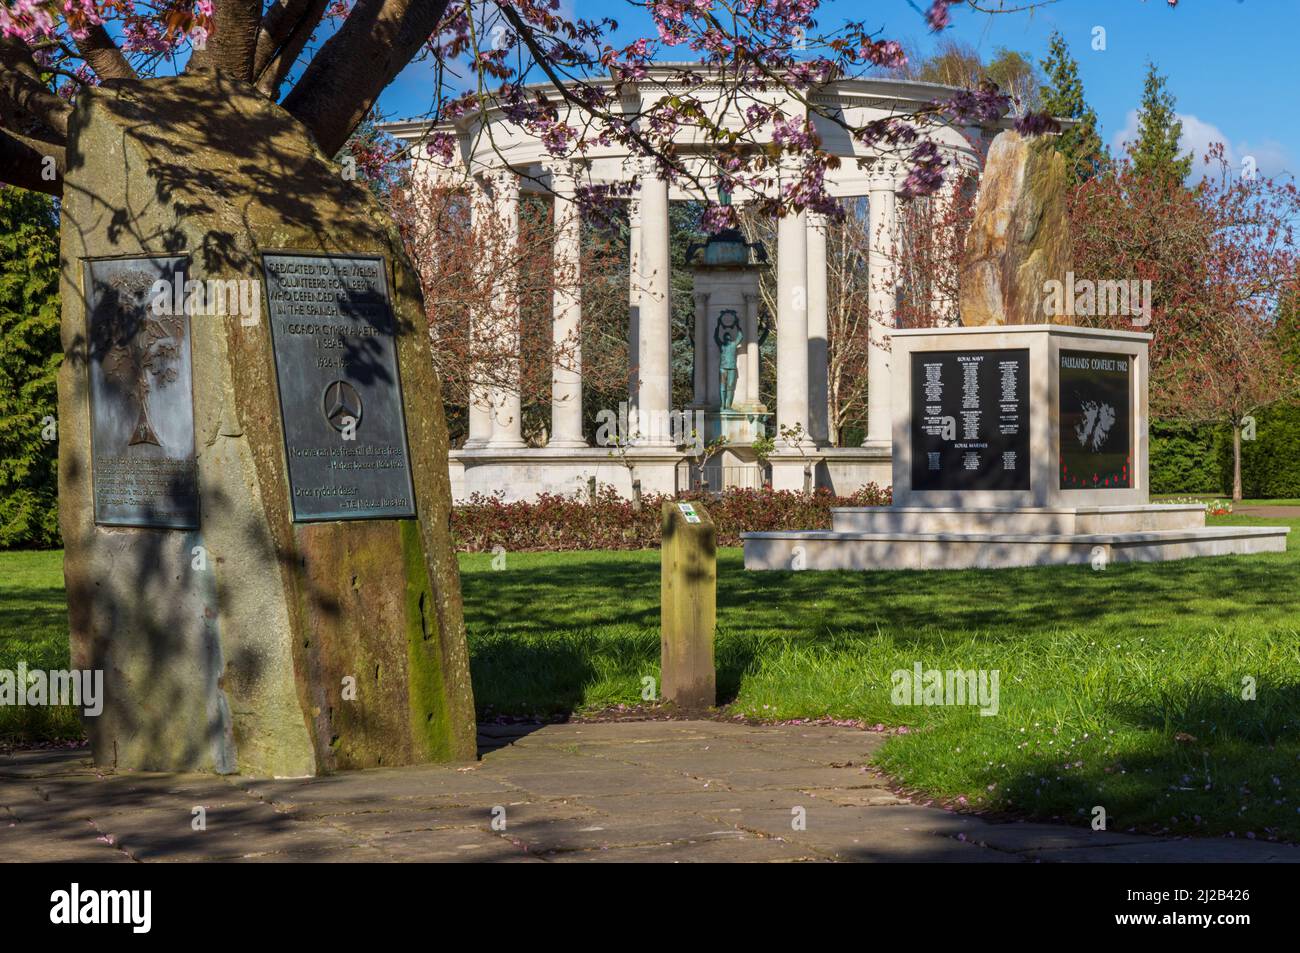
[(1043, 520), (525, 474), (737, 426), (844, 470), (915, 537), (787, 468), (732, 468)]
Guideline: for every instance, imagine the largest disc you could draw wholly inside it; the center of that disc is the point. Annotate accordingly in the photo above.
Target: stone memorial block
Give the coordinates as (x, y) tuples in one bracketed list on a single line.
[(253, 481), (1037, 415)]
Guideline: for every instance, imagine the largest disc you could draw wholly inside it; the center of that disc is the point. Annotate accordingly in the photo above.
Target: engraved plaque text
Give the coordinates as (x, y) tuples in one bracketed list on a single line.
[(340, 394)]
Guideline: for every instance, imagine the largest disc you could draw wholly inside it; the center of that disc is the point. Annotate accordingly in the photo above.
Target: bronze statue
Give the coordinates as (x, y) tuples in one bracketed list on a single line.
[(728, 335)]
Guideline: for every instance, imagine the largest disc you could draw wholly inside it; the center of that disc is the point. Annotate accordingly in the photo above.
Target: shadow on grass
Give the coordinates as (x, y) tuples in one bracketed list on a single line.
[(37, 610), (593, 591), (1194, 760), (1005, 604)]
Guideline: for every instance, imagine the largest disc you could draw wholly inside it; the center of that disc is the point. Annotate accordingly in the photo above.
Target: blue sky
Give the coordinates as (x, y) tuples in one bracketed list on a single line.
[(1231, 63)]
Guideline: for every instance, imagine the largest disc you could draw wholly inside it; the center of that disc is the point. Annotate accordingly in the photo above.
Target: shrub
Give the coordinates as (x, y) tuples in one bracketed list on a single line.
[(1197, 458), (1186, 458), (1270, 464), (29, 362), (554, 522)]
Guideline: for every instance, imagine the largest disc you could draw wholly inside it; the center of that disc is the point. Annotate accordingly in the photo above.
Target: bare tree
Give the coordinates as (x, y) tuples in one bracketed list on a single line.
[(513, 318)]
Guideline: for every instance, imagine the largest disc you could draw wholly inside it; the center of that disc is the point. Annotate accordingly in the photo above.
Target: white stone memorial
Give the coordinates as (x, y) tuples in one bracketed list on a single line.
[(498, 159), (1014, 446)]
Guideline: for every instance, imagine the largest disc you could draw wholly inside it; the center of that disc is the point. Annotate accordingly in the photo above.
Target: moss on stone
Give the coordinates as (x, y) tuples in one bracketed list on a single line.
[(432, 733)]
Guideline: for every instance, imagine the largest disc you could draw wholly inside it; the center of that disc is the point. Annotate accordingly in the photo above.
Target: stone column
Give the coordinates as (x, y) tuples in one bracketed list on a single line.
[(882, 278), (701, 348), (480, 320), (818, 332), (654, 395), (506, 409), (792, 322), (566, 371), (751, 380), (631, 169)]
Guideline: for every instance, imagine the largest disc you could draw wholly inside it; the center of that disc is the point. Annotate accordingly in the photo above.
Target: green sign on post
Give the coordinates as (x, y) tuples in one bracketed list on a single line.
[(688, 615)]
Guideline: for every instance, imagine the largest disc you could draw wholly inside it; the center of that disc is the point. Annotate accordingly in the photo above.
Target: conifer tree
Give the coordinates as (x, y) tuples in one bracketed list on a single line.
[(1155, 153), (29, 360), (1062, 96)]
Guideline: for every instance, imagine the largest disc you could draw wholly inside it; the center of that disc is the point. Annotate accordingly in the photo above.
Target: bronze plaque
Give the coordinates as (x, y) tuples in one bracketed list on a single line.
[(141, 394), (334, 337)]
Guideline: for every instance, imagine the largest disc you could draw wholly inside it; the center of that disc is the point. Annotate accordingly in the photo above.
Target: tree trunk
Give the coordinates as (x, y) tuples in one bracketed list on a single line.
[(1236, 461)]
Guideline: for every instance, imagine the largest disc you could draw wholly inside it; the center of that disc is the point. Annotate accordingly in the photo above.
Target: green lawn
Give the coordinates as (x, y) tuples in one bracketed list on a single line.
[(34, 629), (1099, 671)]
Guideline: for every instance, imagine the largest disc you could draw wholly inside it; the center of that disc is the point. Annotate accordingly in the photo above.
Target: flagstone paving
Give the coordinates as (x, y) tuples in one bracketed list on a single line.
[(698, 791), (1269, 512)]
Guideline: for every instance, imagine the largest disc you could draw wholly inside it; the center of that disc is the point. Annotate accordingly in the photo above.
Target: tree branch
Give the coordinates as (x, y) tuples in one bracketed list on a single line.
[(232, 47), (278, 24), (103, 55), (20, 84), (346, 76), (23, 163), (269, 74)]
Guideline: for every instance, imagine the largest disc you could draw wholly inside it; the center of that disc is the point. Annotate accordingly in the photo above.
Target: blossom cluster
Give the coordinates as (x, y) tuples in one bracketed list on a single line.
[(491, 57)]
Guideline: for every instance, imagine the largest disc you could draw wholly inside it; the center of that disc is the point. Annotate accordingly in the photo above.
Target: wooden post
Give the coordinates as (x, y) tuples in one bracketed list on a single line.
[(688, 615)]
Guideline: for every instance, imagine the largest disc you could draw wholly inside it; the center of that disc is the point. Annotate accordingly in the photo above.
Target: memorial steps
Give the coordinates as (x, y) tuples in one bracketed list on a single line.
[(905, 537), (1058, 520)]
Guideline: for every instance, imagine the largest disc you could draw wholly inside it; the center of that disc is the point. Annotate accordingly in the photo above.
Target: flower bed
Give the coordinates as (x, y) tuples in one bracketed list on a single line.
[(1212, 507), (553, 523)]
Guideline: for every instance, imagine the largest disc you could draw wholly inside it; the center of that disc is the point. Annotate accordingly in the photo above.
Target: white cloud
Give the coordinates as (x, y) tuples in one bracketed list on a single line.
[(1271, 158)]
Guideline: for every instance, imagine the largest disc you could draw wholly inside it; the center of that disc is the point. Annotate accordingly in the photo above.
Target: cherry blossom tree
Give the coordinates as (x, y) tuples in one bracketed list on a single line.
[(327, 62)]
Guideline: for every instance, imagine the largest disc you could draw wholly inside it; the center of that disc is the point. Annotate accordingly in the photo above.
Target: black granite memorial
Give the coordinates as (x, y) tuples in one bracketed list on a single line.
[(1095, 410), (970, 420)]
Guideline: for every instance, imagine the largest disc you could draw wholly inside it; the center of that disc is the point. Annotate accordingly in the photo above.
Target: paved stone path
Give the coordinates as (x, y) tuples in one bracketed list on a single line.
[(626, 791), (1269, 512)]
